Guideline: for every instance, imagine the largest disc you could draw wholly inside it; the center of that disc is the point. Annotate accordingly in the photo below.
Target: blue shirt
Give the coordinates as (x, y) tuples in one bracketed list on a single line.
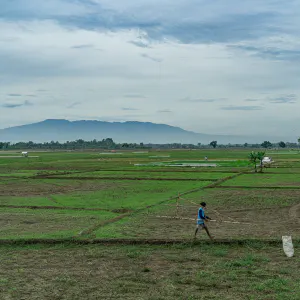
[(201, 216)]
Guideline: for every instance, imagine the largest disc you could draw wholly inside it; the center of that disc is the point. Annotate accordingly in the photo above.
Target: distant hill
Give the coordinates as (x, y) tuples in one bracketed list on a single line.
[(132, 132)]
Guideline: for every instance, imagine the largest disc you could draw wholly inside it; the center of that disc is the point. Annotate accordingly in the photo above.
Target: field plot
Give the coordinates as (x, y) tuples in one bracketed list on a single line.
[(38, 223), (93, 194), (51, 200), (153, 175), (148, 272), (281, 170), (38, 187), (238, 214), (265, 180)]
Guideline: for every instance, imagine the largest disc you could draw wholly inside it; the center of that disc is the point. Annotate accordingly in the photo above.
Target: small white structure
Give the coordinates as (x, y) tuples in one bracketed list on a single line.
[(288, 247), (25, 154), (267, 160)]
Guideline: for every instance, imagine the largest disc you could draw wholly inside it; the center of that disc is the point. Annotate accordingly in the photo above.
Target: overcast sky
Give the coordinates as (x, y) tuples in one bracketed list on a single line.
[(210, 66)]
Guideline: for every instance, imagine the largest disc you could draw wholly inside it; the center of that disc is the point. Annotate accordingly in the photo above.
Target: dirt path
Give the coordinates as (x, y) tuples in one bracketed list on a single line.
[(258, 187), (140, 241), (93, 228), (123, 178), (120, 210)]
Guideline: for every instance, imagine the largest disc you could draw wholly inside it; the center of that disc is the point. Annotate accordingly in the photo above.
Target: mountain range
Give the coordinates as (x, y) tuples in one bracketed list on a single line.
[(131, 132)]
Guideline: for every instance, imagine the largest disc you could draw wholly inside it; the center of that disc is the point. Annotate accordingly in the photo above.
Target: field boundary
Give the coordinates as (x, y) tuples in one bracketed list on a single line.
[(257, 187), (124, 178), (79, 241), (168, 170), (35, 207), (102, 223)]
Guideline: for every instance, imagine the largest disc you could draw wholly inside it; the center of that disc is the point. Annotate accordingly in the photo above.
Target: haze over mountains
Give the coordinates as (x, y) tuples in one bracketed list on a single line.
[(134, 132)]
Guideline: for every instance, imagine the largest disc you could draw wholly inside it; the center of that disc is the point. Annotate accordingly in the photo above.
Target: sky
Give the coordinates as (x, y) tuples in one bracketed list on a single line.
[(209, 66)]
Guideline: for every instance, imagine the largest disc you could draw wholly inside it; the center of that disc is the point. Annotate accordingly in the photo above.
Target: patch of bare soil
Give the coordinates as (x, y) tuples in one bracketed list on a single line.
[(244, 196), (268, 223), (35, 188), (63, 208), (20, 224)]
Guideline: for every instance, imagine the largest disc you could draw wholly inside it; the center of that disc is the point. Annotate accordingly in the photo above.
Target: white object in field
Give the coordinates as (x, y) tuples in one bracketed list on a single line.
[(288, 247), (267, 160), (25, 154)]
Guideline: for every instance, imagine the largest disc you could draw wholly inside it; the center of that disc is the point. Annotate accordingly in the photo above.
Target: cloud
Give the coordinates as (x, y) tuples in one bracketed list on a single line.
[(188, 99), (128, 108), (242, 56), (140, 43), (243, 108), (186, 21), (164, 111), (289, 98), (251, 100), (73, 104), (14, 105), (135, 96), (14, 95), (271, 53), (151, 58), (86, 46)]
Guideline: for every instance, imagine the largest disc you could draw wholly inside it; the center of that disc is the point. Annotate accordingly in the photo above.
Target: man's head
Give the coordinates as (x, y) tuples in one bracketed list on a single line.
[(203, 204)]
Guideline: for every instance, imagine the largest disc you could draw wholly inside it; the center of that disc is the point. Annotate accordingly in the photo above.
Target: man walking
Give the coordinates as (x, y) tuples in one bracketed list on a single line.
[(201, 219)]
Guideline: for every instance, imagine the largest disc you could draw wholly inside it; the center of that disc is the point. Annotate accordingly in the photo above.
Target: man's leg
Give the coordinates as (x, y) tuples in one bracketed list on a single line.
[(206, 229), (196, 230)]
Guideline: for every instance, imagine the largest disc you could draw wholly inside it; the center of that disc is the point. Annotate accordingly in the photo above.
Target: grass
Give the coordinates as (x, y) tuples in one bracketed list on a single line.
[(146, 272), (242, 198), (145, 175), (127, 194), (25, 223), (28, 201), (265, 180)]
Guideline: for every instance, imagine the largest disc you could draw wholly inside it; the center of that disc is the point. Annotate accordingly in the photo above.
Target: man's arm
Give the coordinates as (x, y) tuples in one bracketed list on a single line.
[(201, 214)]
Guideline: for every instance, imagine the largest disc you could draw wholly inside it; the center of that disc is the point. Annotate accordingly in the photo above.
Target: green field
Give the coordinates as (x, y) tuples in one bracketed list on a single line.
[(265, 180), (71, 197)]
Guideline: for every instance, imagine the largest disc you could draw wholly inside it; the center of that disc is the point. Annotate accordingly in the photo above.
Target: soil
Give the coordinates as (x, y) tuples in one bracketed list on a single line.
[(32, 188), (268, 223)]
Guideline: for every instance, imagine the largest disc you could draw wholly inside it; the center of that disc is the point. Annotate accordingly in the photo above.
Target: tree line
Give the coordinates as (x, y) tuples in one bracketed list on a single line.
[(108, 143)]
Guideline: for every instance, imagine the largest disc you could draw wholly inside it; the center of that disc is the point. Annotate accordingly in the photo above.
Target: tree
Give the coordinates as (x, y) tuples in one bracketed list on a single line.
[(282, 144), (256, 157), (246, 145), (266, 144), (214, 144)]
